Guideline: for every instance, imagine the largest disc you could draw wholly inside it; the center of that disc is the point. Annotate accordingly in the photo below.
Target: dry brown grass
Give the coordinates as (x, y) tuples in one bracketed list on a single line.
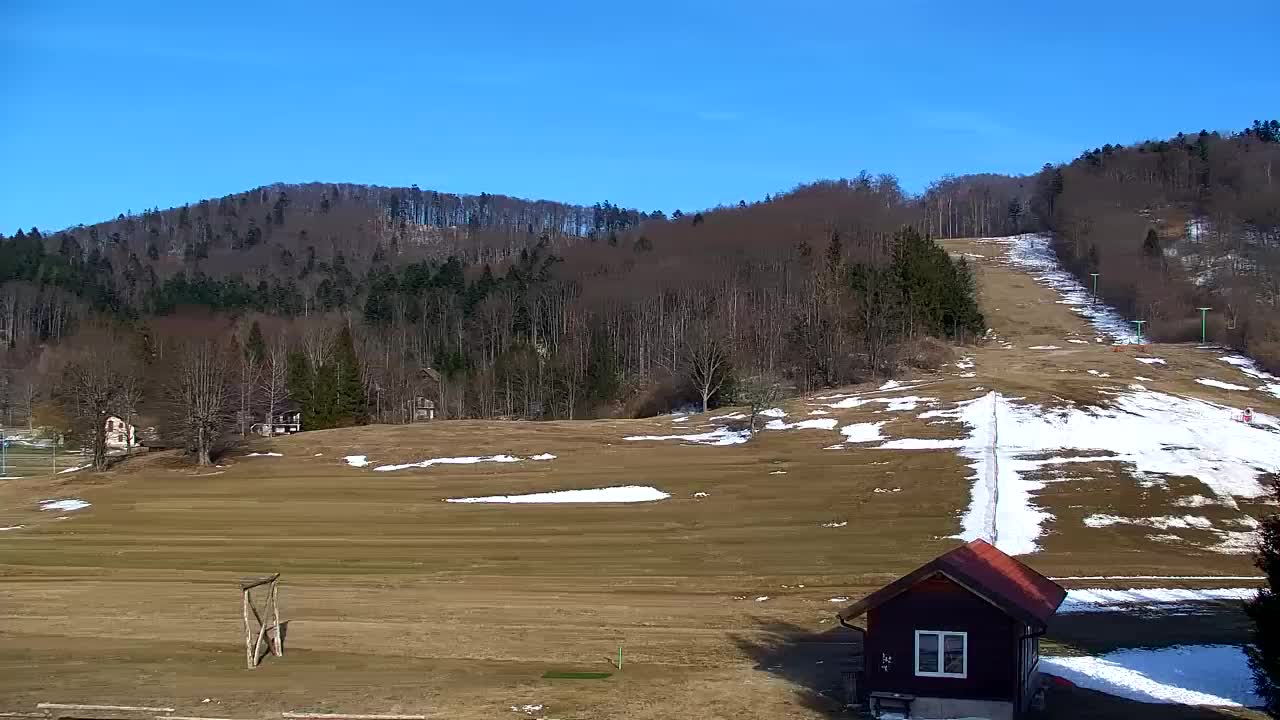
[(399, 602)]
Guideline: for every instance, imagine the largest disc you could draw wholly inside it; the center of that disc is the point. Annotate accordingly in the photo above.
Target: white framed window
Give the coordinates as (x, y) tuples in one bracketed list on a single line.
[(942, 653)]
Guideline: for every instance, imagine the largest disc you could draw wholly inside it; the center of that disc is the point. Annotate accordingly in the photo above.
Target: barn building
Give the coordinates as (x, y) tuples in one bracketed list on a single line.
[(958, 637)]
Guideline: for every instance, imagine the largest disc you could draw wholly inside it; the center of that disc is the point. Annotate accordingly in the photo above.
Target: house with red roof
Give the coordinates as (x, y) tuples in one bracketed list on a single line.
[(957, 637)]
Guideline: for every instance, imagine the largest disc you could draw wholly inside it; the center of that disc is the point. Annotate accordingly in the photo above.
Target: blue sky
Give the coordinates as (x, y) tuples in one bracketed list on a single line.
[(109, 107)]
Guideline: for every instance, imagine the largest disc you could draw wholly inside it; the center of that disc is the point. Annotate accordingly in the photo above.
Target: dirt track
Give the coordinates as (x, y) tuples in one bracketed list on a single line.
[(398, 602)]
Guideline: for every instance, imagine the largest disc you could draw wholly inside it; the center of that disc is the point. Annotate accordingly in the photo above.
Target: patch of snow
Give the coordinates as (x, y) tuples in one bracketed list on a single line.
[(1104, 600), (816, 424), (1163, 522), (719, 436), (318, 455), (1044, 347), (967, 375), (265, 454), (819, 412), (12, 527), (1152, 360), (887, 490), (357, 460), (1182, 674), (543, 456), (1159, 434), (839, 599), (894, 404), (773, 413), (840, 524), (63, 505), (471, 460), (891, 385), (701, 494), (682, 418), (778, 472), (1161, 577), (1195, 501), (923, 444), (1219, 384), (527, 709), (965, 363), (73, 469), (1248, 366), (862, 432), (731, 416), (1143, 379), (1077, 342), (620, 494), (762, 598)]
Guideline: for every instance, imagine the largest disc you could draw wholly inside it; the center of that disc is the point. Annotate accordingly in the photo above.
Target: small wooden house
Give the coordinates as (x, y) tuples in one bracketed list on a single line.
[(120, 434), (286, 419), (957, 637)]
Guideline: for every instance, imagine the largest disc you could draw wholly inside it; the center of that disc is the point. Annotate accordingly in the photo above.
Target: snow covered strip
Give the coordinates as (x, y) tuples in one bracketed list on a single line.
[(620, 494), (1104, 600), (1160, 577), (1182, 674)]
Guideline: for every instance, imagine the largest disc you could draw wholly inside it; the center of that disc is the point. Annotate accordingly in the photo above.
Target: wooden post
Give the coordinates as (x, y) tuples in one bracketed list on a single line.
[(268, 620)]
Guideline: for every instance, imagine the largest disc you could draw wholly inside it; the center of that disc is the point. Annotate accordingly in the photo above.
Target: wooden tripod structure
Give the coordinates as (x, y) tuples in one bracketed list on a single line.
[(265, 619)]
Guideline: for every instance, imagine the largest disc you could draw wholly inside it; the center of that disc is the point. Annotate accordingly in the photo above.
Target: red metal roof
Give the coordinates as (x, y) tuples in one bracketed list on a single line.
[(985, 570)]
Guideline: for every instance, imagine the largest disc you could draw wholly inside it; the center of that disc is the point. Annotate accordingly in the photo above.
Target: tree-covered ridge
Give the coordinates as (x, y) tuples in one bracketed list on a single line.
[(1172, 225)]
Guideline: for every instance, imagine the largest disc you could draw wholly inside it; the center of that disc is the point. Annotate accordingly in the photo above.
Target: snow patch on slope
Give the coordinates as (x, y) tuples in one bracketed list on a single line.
[(1183, 674)]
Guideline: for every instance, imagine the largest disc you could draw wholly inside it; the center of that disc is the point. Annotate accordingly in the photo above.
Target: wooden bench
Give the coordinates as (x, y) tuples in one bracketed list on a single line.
[(881, 701)]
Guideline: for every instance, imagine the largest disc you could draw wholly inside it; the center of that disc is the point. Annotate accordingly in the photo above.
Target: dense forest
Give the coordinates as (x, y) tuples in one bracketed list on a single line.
[(352, 301)]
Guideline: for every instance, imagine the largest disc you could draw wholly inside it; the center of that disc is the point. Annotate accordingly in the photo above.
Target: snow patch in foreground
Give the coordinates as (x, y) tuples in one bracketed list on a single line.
[(543, 456), (893, 404), (1152, 361), (1183, 674), (357, 460), (1250, 367), (1104, 600), (1219, 384), (619, 494), (265, 454), (862, 432), (719, 436), (73, 469), (63, 505), (470, 460), (816, 424)]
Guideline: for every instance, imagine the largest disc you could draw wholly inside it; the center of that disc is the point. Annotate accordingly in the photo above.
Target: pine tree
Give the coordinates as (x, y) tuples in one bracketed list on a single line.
[(1264, 650), (350, 406), (1151, 245), (301, 383), (255, 348)]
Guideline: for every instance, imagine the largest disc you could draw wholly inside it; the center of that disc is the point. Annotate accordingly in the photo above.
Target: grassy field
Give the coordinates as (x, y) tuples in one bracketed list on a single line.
[(399, 603)]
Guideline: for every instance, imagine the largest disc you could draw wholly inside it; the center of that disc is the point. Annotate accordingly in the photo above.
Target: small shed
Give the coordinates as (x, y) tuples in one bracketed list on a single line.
[(957, 637), (286, 420)]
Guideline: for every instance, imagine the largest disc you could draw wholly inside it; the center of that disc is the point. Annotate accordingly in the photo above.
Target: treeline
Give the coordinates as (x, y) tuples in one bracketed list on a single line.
[(1173, 225), (828, 284)]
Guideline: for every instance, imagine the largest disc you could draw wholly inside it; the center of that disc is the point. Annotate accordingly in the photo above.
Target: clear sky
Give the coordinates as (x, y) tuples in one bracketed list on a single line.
[(116, 106)]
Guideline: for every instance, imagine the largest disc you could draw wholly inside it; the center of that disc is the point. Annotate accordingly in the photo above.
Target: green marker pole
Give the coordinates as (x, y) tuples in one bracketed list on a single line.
[(619, 657), (1139, 324), (1203, 341), (1095, 286)]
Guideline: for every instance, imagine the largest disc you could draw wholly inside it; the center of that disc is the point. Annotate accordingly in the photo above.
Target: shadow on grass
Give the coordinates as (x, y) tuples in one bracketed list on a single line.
[(811, 661), (1221, 623)]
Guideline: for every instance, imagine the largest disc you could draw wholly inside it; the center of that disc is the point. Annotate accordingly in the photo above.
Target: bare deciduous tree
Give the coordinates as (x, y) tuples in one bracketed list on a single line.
[(707, 356), (273, 378), (199, 396)]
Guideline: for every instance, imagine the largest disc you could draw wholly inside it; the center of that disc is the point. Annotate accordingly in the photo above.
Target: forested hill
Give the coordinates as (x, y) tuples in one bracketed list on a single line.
[(1173, 225), (522, 309)]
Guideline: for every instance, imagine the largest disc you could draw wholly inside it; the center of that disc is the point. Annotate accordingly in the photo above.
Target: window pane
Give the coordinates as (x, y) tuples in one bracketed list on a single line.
[(953, 653), (927, 660)]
